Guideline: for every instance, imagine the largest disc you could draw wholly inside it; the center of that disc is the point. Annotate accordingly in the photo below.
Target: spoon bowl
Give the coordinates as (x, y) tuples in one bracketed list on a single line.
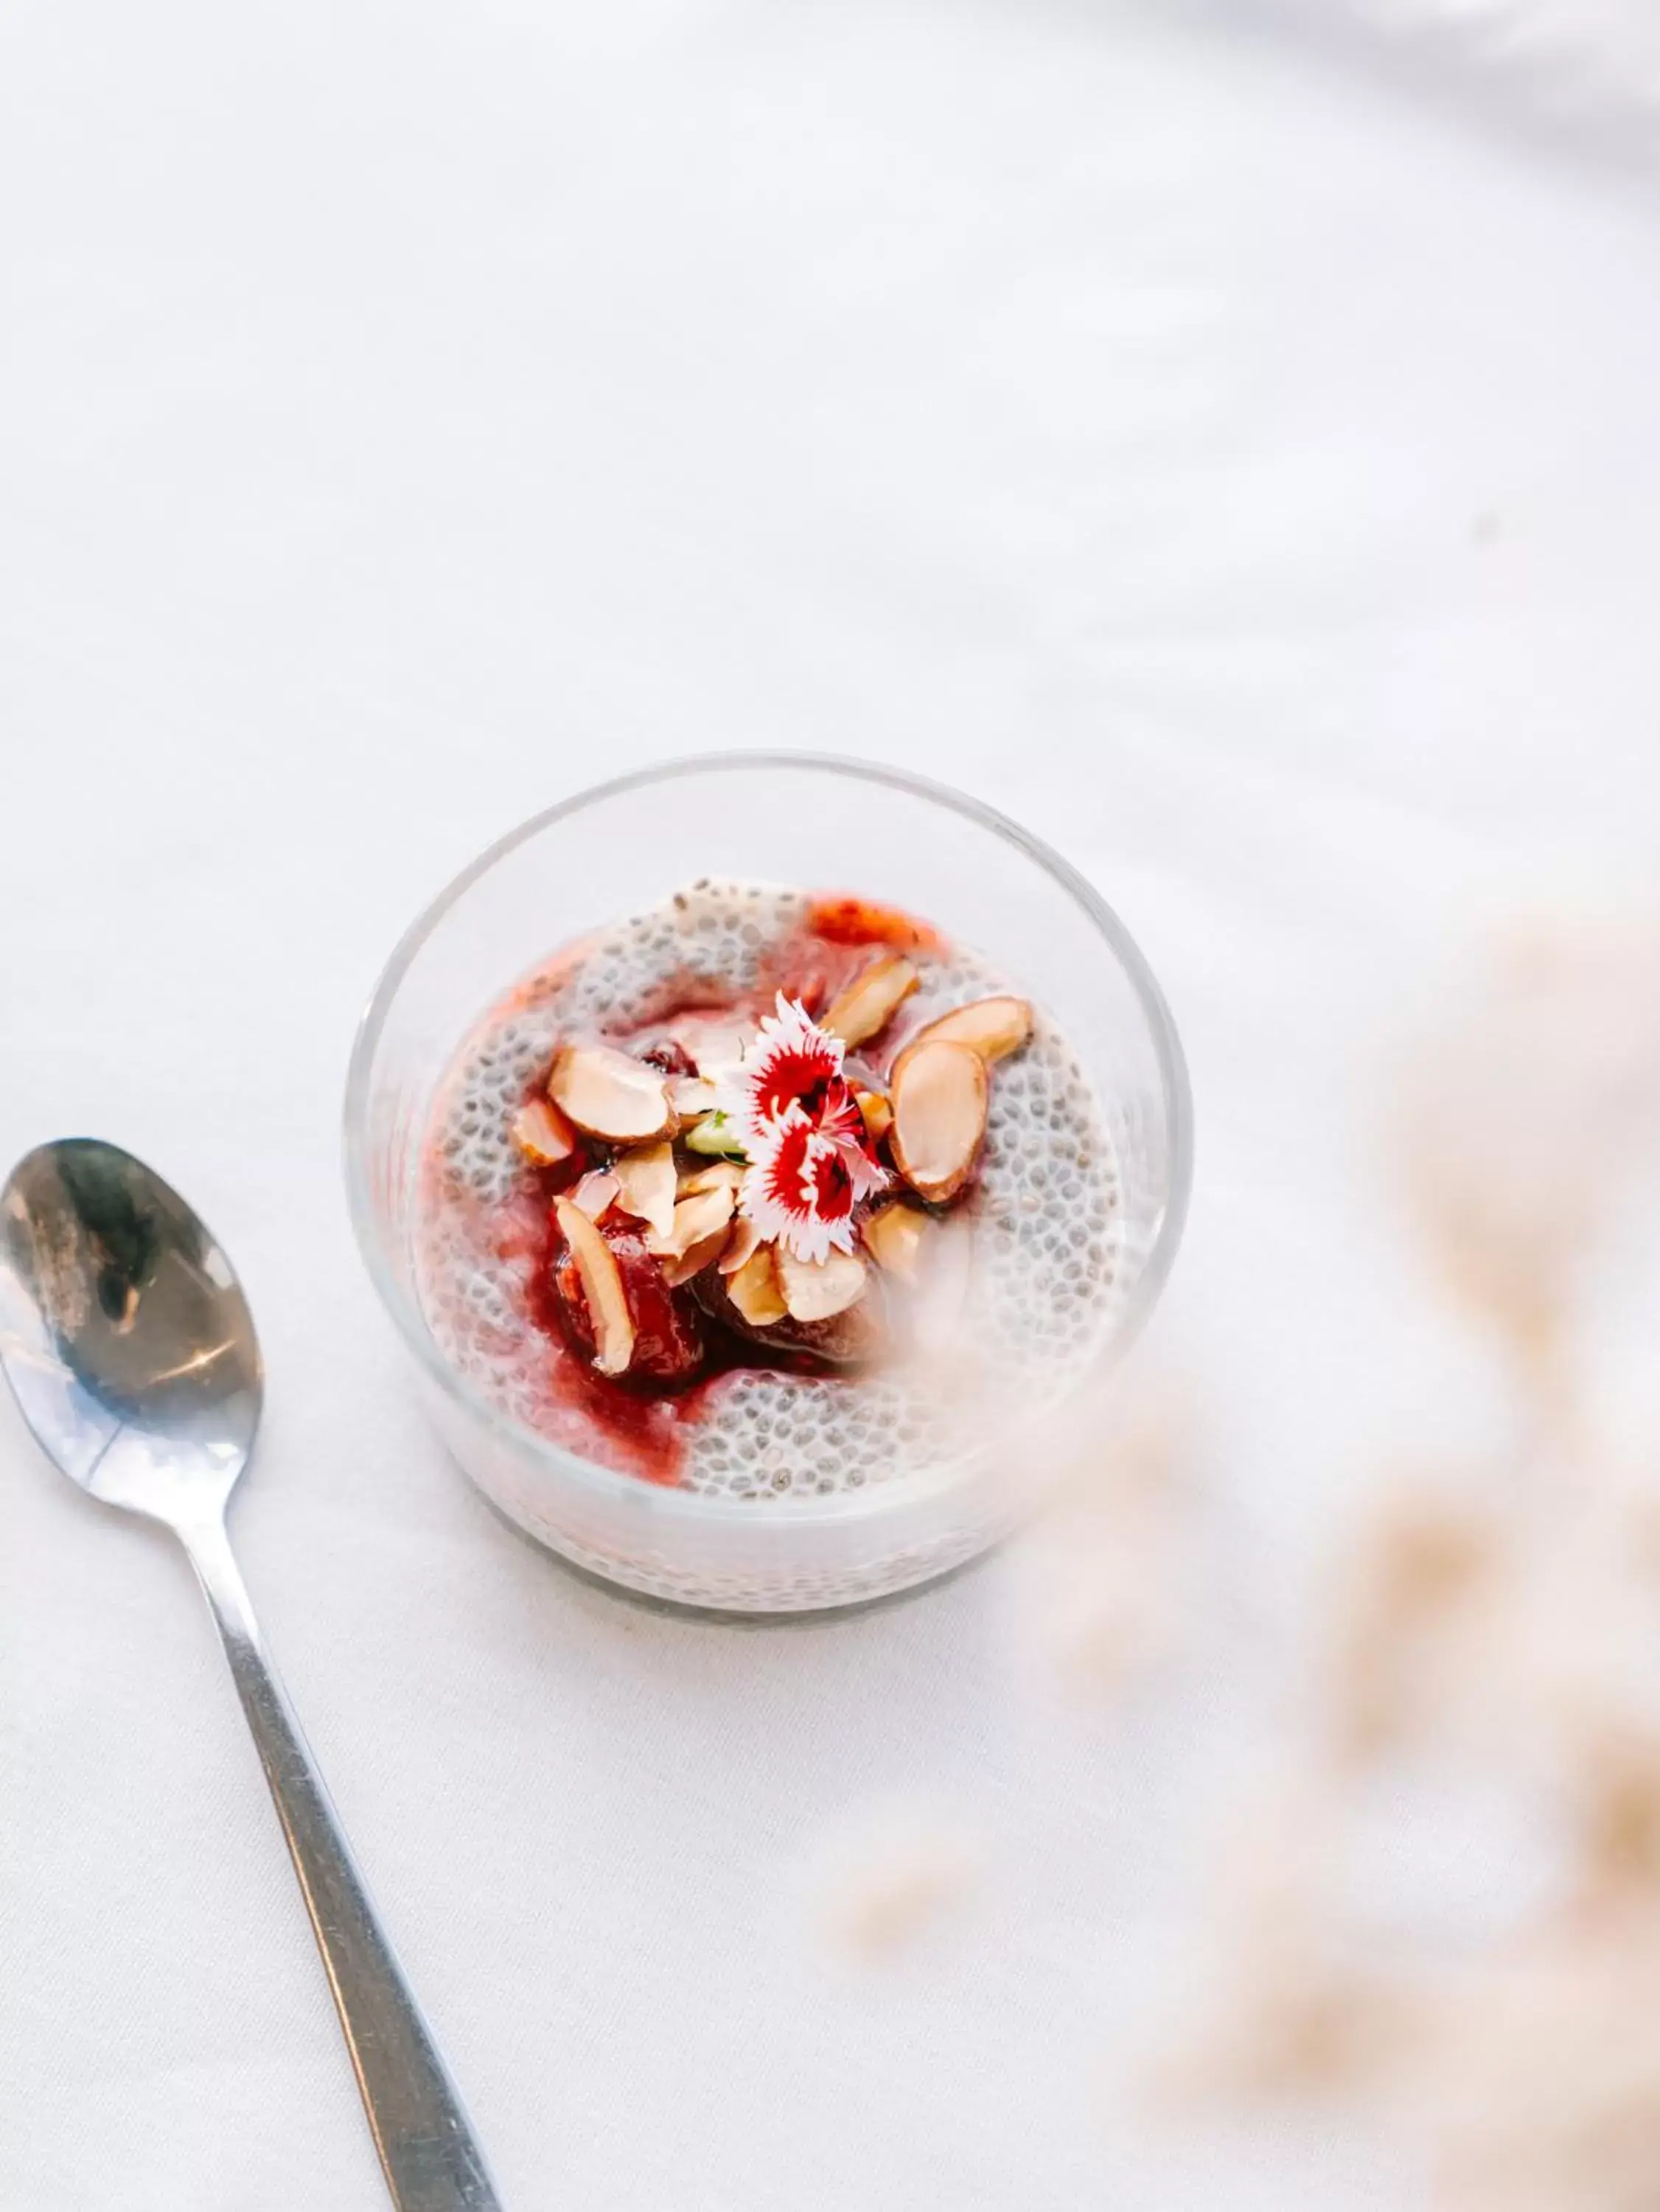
[(125, 1333)]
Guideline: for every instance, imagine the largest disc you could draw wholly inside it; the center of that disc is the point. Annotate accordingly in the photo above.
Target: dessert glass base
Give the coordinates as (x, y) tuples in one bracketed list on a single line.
[(888, 1515)]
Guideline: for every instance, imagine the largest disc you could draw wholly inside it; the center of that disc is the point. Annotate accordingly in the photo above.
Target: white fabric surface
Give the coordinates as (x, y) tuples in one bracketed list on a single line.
[(1244, 471)]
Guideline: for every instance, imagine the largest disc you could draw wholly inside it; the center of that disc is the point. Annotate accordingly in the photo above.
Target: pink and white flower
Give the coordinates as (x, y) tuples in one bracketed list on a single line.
[(791, 1061), (805, 1177), (809, 1157)]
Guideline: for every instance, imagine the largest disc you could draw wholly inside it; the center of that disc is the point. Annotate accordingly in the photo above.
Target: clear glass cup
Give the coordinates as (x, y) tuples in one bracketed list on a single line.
[(825, 824)]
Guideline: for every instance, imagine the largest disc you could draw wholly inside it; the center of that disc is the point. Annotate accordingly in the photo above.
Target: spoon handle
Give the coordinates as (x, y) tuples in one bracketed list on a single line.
[(431, 2159)]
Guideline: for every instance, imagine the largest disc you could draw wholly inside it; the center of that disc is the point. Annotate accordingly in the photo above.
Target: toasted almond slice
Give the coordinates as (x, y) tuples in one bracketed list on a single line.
[(646, 1184), (893, 1236), (869, 1002), (543, 1133), (715, 1046), (610, 1094), (939, 1117), (742, 1242), (813, 1289), (991, 1027), (754, 1289), (721, 1175), (601, 1286), (692, 1095), (878, 1113), (695, 1219), (594, 1192), (703, 1253)]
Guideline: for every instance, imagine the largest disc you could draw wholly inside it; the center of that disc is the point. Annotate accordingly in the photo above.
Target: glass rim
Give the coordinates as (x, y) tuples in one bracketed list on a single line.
[(663, 1498)]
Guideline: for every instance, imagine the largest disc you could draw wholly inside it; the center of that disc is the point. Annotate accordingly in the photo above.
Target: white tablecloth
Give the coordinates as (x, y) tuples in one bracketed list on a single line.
[(1239, 458)]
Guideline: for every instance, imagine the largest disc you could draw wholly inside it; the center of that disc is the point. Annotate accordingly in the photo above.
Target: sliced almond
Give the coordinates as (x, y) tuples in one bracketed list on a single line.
[(543, 1133), (991, 1027), (744, 1238), (724, 1174), (877, 1113), (813, 1289), (594, 1192), (646, 1184), (715, 1046), (695, 1217), (869, 1001), (754, 1289), (703, 1253), (893, 1236), (601, 1287), (939, 1117), (692, 1095), (610, 1094)]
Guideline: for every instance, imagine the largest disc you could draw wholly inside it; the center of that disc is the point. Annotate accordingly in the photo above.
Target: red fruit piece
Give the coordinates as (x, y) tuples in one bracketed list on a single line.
[(668, 1327), (670, 1054), (862, 921)]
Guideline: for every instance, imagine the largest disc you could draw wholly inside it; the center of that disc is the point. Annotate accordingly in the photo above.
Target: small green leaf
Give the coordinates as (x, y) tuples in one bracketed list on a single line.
[(716, 1133)]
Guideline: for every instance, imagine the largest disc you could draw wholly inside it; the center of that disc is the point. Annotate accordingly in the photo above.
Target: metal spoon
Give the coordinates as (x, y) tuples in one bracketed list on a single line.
[(129, 1345)]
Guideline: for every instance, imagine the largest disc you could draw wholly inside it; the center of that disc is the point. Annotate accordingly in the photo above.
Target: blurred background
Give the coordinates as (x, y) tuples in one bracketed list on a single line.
[(1227, 438)]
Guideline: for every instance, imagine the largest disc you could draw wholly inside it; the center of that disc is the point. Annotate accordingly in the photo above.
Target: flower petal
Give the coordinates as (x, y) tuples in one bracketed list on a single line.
[(793, 1059)]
